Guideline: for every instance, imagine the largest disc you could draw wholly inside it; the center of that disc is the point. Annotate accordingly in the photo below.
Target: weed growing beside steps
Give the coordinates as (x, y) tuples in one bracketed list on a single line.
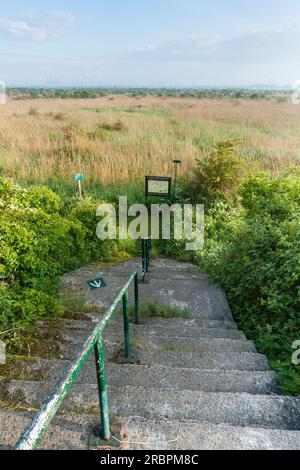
[(154, 309), (75, 306), (14, 401), (20, 368)]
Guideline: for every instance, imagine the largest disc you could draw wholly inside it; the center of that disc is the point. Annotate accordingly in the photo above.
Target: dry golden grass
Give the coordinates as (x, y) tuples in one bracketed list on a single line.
[(40, 140)]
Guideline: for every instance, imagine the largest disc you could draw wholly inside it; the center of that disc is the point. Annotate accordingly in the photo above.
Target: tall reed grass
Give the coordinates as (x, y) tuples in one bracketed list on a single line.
[(125, 138)]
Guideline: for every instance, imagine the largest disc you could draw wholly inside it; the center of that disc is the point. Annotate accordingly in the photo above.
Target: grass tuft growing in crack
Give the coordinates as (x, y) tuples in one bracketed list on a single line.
[(154, 309)]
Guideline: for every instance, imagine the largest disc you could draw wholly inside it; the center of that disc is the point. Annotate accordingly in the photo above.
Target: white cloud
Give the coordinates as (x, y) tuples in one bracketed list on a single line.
[(150, 47), (51, 19), (35, 27), (272, 45)]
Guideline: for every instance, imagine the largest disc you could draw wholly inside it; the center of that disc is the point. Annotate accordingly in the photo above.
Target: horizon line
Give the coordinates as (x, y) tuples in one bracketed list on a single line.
[(258, 87)]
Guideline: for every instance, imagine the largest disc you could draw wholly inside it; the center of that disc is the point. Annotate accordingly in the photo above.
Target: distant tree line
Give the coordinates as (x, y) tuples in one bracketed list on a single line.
[(83, 93)]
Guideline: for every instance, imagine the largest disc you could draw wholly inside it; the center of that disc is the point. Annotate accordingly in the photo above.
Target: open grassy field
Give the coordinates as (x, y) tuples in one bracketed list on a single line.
[(123, 138)]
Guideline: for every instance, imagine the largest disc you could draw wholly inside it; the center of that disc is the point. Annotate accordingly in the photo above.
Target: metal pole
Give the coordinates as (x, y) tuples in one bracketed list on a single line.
[(147, 254), (143, 259), (150, 249), (176, 163), (126, 325), (136, 300), (175, 180), (105, 433)]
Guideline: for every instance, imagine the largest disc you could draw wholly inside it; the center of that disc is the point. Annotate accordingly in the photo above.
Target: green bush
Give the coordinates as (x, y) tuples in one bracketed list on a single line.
[(278, 198), (217, 175), (253, 252), (41, 197), (107, 250), (37, 245)]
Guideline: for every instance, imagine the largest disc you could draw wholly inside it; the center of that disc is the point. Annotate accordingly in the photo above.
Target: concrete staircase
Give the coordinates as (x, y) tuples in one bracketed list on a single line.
[(197, 384)]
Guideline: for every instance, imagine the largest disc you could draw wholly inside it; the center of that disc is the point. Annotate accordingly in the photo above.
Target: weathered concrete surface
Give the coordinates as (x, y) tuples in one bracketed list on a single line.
[(176, 378), (197, 384), (209, 339), (180, 358), (71, 431), (275, 412), (174, 284), (177, 435), (117, 323)]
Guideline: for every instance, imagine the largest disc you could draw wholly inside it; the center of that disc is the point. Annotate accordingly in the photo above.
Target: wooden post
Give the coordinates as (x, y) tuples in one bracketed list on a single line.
[(79, 188)]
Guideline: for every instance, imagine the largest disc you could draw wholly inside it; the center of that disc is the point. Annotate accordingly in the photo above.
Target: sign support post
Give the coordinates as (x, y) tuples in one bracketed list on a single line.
[(176, 163), (79, 178), (79, 188)]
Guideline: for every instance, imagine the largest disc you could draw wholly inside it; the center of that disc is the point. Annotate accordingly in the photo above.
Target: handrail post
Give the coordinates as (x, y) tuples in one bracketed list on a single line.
[(136, 299), (144, 262), (149, 250), (126, 325), (147, 255), (105, 433)]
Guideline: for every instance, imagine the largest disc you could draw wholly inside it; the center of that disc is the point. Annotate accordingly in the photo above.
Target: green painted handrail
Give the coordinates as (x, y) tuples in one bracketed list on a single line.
[(32, 435)]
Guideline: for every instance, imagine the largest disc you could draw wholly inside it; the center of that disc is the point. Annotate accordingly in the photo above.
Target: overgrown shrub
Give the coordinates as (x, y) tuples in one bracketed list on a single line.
[(216, 175), (37, 245), (255, 256), (107, 250), (33, 112)]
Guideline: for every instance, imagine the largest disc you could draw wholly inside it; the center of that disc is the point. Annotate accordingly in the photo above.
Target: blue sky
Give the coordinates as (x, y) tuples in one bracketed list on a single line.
[(150, 43)]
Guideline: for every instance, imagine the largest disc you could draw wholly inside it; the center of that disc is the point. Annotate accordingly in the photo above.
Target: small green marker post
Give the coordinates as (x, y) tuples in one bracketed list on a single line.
[(79, 178)]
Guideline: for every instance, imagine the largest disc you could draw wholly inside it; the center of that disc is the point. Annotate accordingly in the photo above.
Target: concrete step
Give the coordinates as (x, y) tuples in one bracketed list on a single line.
[(188, 332), (197, 294), (176, 344), (205, 357), (65, 432), (211, 361), (165, 377), (69, 349), (159, 268), (174, 331), (190, 323), (197, 345), (178, 435), (236, 409), (200, 297), (152, 321), (70, 432)]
